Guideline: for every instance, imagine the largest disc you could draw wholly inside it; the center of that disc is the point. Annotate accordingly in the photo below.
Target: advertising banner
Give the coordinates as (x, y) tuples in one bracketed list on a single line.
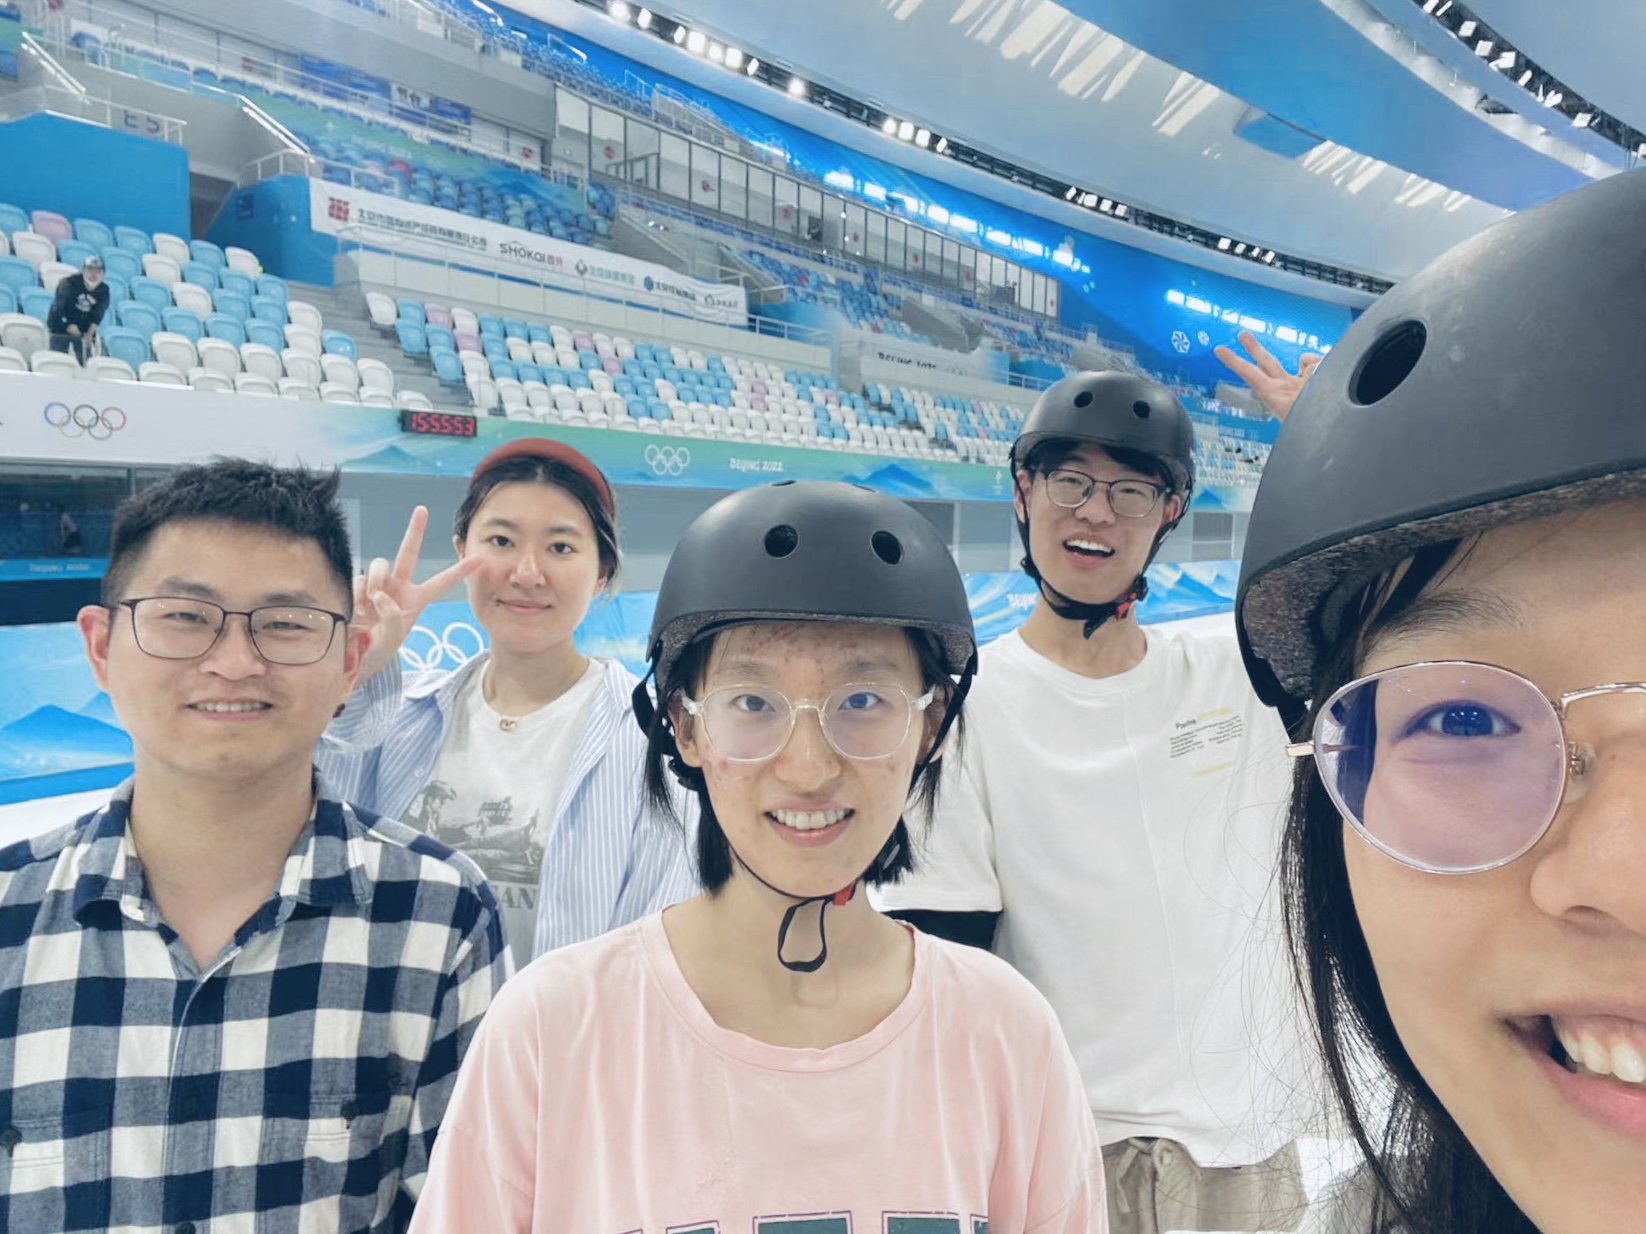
[(58, 733), (525, 254), (84, 422)]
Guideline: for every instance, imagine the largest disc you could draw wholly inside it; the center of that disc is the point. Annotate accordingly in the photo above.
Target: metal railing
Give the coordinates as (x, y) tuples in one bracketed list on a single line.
[(102, 112), (413, 263)]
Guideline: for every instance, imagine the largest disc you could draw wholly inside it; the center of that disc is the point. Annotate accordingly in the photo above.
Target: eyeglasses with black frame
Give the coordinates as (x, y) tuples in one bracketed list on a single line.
[(1072, 489), (184, 628), (750, 724)]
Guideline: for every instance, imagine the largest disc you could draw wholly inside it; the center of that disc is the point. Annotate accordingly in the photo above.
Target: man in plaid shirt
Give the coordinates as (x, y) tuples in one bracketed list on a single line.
[(226, 1002)]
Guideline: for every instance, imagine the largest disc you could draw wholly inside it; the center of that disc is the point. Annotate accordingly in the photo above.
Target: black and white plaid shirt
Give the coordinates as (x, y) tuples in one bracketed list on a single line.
[(294, 1085)]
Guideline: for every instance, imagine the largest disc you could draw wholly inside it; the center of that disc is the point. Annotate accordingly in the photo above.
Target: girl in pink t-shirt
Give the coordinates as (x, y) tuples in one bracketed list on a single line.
[(774, 1056)]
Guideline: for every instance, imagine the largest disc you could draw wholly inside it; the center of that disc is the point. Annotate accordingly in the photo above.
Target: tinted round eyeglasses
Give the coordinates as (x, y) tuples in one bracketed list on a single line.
[(750, 724), (180, 628), (1449, 766), (1072, 489)]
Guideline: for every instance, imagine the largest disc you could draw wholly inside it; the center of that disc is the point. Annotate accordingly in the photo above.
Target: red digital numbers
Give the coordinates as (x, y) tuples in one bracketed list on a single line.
[(438, 424)]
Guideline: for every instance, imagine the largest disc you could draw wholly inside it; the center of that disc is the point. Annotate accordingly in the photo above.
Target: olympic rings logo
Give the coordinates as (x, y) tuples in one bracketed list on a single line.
[(453, 647), (85, 420), (668, 460)]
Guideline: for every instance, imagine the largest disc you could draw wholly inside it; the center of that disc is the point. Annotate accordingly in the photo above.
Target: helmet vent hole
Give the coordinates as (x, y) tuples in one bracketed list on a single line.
[(1141, 410), (887, 547), (782, 540), (1083, 399), (1389, 362)]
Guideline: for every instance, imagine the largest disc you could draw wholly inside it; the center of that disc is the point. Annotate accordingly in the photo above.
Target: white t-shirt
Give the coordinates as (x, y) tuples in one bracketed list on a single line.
[(494, 792), (1127, 829), (599, 1096)]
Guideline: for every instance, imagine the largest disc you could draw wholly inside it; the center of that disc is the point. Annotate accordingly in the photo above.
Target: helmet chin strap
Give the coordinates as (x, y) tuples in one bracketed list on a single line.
[(837, 899), (1095, 616)]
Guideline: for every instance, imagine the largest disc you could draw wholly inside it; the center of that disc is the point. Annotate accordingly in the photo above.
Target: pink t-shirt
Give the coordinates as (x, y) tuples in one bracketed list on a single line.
[(599, 1096)]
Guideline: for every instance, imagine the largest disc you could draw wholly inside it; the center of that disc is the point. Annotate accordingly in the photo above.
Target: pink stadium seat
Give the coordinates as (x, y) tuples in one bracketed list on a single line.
[(467, 342), (612, 365), (582, 340), (438, 315), (758, 402), (53, 226), (758, 386)]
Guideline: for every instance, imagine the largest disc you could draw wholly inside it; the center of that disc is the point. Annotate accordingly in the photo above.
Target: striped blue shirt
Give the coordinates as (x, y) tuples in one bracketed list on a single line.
[(295, 1083), (609, 858)]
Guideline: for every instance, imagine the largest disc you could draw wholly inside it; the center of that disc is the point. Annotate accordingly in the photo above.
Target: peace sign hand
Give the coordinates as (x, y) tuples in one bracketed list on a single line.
[(1275, 388), (387, 603)]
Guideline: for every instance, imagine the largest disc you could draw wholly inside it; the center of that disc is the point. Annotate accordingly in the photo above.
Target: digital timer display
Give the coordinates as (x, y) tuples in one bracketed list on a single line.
[(438, 423)]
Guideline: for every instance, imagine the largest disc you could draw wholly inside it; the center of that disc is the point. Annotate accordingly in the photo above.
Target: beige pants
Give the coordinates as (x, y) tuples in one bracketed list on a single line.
[(1155, 1186)]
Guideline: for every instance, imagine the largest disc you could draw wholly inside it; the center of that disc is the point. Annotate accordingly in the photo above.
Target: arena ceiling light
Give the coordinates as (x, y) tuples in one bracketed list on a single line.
[(1070, 195), (905, 130), (1583, 119), (1223, 244), (1484, 48), (888, 126), (734, 57), (1554, 99), (717, 53), (619, 10), (797, 87), (680, 34), (1467, 28), (644, 19), (942, 144), (753, 66), (923, 138), (697, 42)]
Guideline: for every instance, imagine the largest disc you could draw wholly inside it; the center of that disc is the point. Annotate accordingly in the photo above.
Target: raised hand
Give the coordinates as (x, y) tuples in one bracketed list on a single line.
[(387, 603), (1275, 388)]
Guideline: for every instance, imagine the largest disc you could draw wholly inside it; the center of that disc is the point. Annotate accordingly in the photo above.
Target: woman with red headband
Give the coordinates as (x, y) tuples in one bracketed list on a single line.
[(527, 758)]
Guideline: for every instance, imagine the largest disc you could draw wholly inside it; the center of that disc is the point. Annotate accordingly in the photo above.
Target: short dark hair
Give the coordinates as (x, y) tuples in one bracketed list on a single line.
[(288, 501), (1429, 1176), (532, 469), (1052, 452), (714, 852)]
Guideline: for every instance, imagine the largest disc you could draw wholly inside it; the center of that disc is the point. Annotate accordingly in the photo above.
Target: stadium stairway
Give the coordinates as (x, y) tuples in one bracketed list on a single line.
[(348, 310)]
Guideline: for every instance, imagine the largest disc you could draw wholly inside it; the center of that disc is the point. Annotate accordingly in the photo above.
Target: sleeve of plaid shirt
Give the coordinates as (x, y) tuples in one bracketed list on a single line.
[(480, 970)]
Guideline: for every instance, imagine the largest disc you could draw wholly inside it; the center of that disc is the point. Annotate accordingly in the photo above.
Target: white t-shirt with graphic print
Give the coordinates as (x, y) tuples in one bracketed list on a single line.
[(495, 788), (1127, 828)]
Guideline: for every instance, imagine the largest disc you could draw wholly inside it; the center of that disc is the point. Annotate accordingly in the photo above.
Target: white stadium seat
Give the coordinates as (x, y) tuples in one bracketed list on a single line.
[(413, 400), (302, 313), (162, 269), (295, 388), (331, 392), (382, 309), (32, 248), (242, 261), (22, 333), (172, 247), (302, 338), (220, 355), (54, 363), (12, 361), (464, 321), (375, 375), (210, 380), (302, 365), (107, 368), (193, 297), (175, 350), (376, 398), (262, 360), (53, 273), (158, 373), (251, 383), (339, 371)]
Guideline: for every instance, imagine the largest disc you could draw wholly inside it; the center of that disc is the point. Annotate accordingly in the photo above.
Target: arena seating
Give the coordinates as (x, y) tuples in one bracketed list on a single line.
[(554, 374), (181, 312)]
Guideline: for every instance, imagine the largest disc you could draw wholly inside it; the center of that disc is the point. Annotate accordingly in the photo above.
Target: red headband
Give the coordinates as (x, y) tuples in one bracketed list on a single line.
[(555, 451)]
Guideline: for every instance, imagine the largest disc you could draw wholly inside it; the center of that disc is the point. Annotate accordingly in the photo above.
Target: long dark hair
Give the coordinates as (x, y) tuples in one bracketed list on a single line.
[(714, 852), (1430, 1178)]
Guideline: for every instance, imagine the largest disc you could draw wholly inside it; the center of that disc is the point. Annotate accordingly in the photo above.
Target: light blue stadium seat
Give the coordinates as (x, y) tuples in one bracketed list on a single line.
[(17, 274), (184, 322), (413, 341), (553, 375), (8, 299), (502, 368), (527, 372), (36, 302), (74, 252), (119, 288), (229, 329), (266, 333), (150, 292), (122, 262), (268, 309), (200, 274), (143, 318), (493, 348), (337, 343), (491, 326), (126, 344), (515, 328), (207, 253), (441, 339), (579, 380), (274, 287), (228, 304), (237, 284), (133, 240), (447, 367), (539, 333), (12, 219), (410, 311)]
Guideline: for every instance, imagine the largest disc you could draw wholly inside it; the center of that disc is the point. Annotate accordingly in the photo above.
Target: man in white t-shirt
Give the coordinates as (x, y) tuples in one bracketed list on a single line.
[(1116, 813)]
